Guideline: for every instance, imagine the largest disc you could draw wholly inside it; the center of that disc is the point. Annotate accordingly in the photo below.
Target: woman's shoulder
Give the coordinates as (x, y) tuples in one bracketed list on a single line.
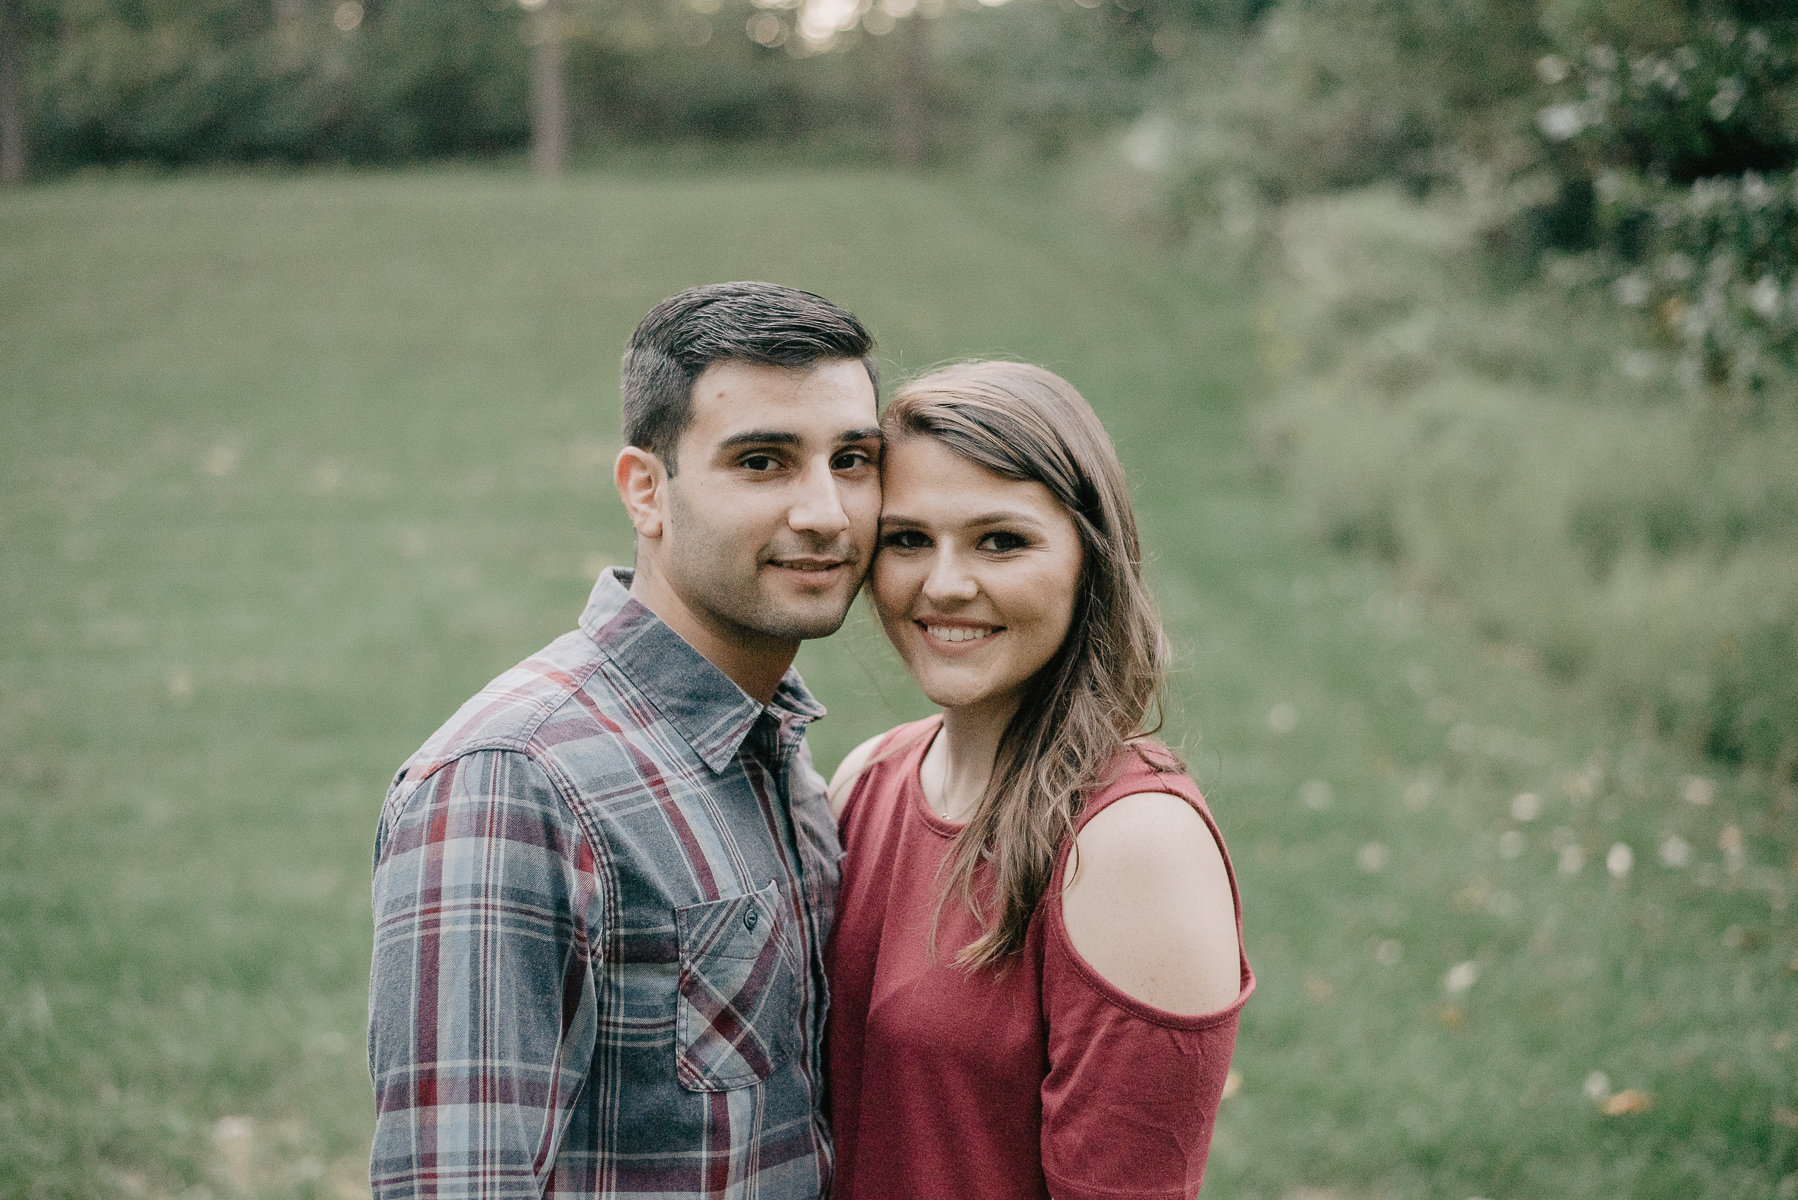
[(1138, 766), (878, 747), (1148, 899)]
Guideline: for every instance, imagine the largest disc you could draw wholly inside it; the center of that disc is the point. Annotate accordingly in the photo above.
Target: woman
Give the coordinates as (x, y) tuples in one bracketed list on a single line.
[(1036, 970)]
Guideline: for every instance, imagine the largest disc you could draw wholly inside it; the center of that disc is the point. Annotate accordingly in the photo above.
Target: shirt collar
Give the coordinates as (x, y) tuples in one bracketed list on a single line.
[(703, 704)]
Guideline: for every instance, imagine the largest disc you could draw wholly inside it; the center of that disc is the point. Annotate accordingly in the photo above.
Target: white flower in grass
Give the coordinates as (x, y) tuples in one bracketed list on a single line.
[(1620, 859), (1460, 977), (1676, 852), (1598, 1086), (1730, 91), (1527, 806), (1371, 858), (1560, 122), (1283, 718), (1698, 791), (1572, 859), (1632, 290), (1764, 297)]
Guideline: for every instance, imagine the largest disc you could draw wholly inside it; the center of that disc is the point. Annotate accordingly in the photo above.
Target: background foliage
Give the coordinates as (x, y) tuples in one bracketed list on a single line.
[(181, 81)]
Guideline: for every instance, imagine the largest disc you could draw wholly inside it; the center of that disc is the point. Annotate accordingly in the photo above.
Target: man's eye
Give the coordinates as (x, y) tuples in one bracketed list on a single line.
[(760, 462), (905, 539), (1001, 543), (849, 460)]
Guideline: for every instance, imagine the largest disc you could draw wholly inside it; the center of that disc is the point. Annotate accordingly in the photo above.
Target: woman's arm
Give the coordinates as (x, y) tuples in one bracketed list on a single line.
[(1147, 903)]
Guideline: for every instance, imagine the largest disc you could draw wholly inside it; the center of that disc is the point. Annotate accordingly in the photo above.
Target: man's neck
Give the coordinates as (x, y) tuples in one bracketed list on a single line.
[(754, 662)]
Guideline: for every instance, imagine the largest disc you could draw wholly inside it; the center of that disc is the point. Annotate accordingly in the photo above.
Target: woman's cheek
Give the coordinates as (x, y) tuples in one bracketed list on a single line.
[(887, 590)]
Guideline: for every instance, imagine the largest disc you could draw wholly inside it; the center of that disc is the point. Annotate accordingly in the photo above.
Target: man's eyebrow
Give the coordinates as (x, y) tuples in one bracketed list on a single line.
[(761, 437), (786, 437)]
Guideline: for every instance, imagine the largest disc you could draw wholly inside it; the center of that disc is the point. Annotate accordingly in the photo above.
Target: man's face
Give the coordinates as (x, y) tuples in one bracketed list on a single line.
[(774, 507)]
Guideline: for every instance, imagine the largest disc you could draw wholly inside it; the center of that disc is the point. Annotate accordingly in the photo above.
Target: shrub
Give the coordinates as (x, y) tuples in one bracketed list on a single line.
[(1495, 448), (1672, 141)]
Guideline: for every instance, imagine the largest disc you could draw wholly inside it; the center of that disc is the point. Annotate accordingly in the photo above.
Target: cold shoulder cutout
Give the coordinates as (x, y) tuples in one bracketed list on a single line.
[(1146, 903)]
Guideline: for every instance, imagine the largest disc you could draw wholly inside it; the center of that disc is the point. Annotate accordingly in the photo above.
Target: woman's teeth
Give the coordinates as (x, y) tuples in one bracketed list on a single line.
[(958, 633)]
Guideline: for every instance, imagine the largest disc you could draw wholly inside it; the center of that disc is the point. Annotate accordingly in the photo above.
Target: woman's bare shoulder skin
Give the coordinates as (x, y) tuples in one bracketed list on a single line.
[(1147, 904)]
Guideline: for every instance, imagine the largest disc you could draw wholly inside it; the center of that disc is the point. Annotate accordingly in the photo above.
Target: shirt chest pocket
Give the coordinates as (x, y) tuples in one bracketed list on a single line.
[(737, 1017)]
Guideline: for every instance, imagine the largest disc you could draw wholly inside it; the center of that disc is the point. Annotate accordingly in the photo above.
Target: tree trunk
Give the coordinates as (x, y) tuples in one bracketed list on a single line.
[(911, 104), (12, 93), (549, 101)]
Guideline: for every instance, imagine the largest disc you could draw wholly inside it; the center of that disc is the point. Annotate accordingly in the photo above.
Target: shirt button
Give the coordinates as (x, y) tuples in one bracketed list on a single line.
[(750, 918)]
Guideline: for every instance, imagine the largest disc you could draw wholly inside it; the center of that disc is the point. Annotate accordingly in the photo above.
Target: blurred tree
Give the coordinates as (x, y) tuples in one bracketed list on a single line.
[(911, 101), (381, 80), (549, 101), (12, 92)]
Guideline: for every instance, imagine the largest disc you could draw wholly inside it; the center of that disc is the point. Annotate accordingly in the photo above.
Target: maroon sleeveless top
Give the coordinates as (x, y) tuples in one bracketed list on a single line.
[(1043, 1078)]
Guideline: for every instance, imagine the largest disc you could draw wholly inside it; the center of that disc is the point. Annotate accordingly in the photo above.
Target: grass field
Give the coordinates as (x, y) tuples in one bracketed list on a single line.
[(289, 466)]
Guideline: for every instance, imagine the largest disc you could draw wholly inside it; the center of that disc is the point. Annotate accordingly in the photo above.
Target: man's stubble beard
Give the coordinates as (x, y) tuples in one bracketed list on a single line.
[(701, 570)]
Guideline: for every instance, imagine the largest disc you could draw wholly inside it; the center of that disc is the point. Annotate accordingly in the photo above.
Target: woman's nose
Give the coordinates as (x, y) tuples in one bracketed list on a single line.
[(949, 579)]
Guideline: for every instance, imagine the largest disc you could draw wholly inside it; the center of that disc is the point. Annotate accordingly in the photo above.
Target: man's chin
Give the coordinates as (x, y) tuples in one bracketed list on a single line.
[(820, 617)]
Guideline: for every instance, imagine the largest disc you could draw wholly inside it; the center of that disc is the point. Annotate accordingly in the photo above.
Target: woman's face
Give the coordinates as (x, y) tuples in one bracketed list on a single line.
[(975, 577)]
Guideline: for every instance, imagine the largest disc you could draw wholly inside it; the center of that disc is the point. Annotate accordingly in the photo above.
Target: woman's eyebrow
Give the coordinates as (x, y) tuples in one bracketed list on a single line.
[(994, 518), (1003, 518)]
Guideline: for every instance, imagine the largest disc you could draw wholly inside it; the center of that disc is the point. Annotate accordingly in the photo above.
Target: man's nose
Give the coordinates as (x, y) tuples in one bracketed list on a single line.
[(818, 508)]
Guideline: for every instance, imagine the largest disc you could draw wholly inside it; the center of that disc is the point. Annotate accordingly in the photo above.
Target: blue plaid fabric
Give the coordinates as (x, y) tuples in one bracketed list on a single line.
[(601, 895)]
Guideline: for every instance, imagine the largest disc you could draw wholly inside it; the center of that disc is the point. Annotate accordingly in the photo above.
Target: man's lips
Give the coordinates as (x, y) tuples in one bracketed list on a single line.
[(809, 565)]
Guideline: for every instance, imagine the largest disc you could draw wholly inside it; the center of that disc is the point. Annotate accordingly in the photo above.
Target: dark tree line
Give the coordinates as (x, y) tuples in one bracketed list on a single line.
[(359, 81)]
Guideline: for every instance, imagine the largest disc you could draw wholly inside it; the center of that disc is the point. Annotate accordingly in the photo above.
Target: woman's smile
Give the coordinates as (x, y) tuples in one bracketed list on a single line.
[(957, 635)]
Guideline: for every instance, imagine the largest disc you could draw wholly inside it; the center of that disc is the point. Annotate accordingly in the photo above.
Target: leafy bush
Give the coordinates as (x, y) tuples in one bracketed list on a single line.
[(1672, 142), (1496, 447)]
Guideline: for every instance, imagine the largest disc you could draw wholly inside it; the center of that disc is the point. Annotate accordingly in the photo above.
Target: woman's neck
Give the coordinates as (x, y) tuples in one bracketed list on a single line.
[(959, 764)]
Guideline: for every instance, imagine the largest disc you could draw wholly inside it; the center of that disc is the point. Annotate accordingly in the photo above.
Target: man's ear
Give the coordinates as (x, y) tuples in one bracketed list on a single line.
[(643, 486)]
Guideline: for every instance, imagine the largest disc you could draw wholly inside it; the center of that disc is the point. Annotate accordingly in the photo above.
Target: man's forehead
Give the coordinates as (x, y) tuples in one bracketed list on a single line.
[(828, 399)]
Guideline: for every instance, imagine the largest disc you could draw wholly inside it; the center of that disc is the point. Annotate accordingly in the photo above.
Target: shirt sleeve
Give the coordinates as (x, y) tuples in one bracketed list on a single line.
[(482, 1013)]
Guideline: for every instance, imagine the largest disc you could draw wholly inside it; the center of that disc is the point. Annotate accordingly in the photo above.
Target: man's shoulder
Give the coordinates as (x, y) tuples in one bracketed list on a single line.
[(510, 712)]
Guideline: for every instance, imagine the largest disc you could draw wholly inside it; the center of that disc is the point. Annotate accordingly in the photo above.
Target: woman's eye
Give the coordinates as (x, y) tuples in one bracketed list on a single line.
[(1002, 542), (905, 539)]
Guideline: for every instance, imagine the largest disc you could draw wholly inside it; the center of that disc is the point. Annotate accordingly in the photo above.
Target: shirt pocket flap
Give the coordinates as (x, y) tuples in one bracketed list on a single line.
[(737, 1014)]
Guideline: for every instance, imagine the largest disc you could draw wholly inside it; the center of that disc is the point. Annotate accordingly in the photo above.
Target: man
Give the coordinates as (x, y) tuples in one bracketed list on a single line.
[(601, 890)]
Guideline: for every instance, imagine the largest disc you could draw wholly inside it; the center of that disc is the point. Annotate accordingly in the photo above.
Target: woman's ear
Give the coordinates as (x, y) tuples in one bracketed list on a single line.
[(643, 486)]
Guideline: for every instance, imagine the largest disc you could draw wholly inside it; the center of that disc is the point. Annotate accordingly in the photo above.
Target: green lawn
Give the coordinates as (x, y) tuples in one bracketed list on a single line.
[(289, 466)]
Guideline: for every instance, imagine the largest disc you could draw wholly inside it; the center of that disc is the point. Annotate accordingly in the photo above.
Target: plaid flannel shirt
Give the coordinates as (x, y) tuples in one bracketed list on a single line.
[(601, 895)]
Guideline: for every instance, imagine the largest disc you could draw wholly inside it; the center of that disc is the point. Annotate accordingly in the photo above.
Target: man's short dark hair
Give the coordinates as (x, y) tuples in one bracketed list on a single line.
[(752, 322)]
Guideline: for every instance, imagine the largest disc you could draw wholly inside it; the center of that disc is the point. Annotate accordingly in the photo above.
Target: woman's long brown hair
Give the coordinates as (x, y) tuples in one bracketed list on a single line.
[(1102, 688)]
